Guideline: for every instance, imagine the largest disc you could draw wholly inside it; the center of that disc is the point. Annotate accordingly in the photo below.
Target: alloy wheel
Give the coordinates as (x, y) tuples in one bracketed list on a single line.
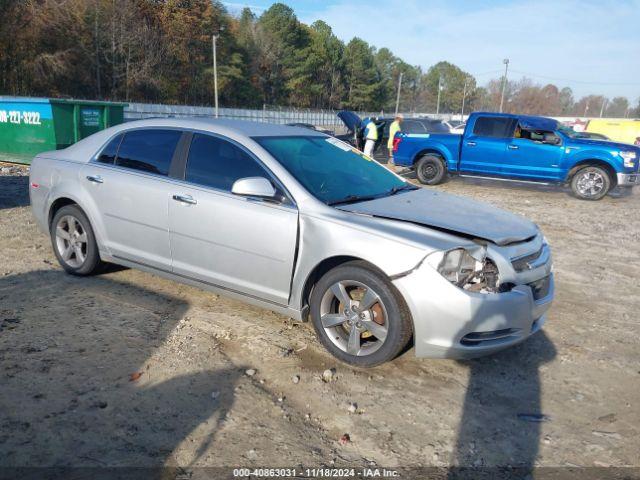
[(354, 317), (590, 183), (71, 241)]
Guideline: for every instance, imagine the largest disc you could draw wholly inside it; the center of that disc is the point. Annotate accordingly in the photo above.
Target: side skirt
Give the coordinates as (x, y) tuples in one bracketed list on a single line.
[(217, 289), (502, 179)]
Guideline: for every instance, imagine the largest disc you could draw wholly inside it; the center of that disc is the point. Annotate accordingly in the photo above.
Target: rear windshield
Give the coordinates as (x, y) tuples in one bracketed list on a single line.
[(329, 169)]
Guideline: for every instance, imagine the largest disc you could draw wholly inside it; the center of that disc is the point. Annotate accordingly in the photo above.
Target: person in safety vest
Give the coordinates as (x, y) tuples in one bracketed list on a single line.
[(393, 129), (370, 137)]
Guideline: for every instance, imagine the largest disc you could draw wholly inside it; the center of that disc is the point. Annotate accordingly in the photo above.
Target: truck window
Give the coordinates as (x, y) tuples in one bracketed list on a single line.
[(410, 126), (499, 127), (537, 136)]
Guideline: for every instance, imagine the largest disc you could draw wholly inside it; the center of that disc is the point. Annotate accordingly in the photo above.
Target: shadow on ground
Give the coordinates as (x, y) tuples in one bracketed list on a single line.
[(502, 414), (82, 408), (14, 191)]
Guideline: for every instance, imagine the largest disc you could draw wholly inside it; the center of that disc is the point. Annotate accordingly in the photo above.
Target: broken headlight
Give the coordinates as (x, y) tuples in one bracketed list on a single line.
[(467, 269)]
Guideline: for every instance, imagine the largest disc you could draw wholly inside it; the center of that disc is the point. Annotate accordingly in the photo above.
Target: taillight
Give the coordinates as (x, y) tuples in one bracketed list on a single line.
[(396, 143)]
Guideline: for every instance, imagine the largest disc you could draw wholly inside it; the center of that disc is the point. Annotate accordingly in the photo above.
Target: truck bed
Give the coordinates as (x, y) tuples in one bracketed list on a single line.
[(414, 145)]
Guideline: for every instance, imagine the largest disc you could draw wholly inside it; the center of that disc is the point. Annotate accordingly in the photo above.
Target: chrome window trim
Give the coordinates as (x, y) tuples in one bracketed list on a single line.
[(289, 204)]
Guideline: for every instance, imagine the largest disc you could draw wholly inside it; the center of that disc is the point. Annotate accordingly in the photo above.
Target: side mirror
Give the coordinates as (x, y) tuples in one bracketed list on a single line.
[(254, 187)]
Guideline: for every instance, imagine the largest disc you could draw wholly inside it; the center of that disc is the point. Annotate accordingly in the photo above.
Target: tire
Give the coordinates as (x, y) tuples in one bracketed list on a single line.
[(75, 256), (591, 183), (430, 170), (350, 334)]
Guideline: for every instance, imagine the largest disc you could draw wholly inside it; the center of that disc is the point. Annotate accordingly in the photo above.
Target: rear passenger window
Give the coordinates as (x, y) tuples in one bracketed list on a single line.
[(409, 126), (108, 154), (148, 150), (499, 127), (217, 163)]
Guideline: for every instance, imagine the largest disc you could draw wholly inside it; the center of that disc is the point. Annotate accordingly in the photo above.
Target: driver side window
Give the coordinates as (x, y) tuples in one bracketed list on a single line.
[(537, 136), (217, 163)]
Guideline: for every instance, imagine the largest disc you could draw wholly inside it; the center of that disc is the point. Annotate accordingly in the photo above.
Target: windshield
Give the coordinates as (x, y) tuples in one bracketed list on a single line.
[(331, 170), (570, 132)]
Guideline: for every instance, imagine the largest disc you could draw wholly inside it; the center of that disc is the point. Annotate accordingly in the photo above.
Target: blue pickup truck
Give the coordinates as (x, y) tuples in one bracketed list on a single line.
[(522, 148)]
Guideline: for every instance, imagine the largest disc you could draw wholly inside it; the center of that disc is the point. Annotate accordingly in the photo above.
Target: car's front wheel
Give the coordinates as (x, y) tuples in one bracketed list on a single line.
[(74, 242), (591, 183), (430, 169), (359, 316)]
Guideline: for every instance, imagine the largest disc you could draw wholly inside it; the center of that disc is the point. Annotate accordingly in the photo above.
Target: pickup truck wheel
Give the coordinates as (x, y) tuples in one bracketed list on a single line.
[(358, 316), (74, 242), (430, 170), (591, 183)]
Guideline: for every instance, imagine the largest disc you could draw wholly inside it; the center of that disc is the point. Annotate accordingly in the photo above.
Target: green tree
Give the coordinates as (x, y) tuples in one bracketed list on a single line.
[(318, 80), (618, 107), (566, 101), (453, 81), (280, 39), (365, 87)]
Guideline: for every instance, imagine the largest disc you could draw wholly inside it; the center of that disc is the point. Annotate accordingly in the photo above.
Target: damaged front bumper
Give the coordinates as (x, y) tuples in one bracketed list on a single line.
[(450, 322)]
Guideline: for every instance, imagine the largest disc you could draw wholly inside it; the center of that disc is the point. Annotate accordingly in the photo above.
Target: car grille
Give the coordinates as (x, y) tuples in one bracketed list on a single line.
[(540, 288), (493, 337), (522, 263)]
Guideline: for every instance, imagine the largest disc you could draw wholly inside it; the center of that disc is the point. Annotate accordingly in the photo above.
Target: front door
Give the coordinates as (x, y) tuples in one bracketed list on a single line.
[(246, 245), (535, 155), (128, 184), (483, 149)]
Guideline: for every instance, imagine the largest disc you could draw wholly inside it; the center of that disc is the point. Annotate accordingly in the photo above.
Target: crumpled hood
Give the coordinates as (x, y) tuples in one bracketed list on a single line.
[(451, 213)]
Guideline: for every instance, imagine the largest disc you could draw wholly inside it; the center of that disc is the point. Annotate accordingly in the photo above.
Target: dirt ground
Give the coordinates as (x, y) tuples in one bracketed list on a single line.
[(128, 369)]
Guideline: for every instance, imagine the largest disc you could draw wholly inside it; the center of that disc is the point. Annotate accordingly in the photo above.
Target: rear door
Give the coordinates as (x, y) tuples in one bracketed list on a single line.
[(484, 148), (128, 183), (243, 244)]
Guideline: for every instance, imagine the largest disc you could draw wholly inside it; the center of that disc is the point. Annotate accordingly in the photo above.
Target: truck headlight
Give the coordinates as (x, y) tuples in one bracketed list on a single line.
[(628, 158), (466, 269)]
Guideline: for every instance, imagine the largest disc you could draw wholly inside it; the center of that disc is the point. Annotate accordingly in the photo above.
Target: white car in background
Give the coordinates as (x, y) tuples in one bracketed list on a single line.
[(455, 126)]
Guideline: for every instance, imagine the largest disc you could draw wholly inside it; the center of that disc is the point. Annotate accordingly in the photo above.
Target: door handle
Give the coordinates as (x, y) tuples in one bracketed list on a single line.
[(471, 144), (513, 147), (95, 178), (185, 199)]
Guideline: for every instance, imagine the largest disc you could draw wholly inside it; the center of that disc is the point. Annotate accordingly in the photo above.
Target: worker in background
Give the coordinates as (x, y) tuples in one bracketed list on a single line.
[(370, 137), (393, 129)]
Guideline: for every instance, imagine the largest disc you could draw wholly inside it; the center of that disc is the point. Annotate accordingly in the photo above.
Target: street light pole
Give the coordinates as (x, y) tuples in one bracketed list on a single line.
[(398, 97), (602, 107), (504, 81), (439, 90), (214, 39)]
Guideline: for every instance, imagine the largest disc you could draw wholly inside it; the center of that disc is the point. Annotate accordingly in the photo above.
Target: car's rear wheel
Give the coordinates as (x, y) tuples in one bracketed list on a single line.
[(430, 169), (73, 241), (591, 183), (359, 316)]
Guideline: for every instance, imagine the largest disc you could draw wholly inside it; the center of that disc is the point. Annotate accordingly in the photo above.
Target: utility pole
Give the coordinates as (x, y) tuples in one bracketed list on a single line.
[(504, 82), (602, 107), (398, 97), (464, 94), (214, 41), (439, 90)]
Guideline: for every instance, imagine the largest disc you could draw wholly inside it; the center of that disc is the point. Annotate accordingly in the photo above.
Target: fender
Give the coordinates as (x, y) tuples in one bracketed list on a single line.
[(437, 148), (65, 185), (574, 155)]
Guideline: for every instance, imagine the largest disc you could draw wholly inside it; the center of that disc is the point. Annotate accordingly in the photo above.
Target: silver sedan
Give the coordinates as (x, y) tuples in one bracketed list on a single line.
[(300, 223)]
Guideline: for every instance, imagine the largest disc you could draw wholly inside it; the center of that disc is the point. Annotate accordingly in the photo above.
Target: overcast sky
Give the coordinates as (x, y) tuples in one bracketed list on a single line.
[(590, 46)]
